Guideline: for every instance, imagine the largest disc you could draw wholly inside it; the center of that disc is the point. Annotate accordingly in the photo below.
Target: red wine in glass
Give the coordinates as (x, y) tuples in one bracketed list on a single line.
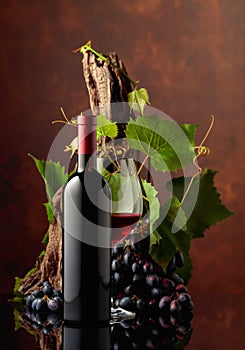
[(123, 223)]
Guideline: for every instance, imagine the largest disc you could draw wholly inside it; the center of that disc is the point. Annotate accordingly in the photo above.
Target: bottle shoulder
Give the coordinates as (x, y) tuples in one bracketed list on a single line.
[(88, 178)]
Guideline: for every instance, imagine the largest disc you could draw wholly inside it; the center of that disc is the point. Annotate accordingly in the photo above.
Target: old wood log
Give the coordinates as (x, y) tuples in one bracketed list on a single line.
[(49, 265), (106, 85)]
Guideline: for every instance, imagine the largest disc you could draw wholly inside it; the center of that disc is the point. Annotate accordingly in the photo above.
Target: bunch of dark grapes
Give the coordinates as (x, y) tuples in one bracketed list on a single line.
[(44, 307), (140, 285)]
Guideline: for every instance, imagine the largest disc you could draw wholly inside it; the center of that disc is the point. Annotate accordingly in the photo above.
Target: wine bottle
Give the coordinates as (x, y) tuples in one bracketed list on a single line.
[(94, 337), (86, 235)]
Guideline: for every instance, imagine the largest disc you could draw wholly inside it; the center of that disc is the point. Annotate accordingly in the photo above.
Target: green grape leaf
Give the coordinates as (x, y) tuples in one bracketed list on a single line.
[(168, 145), (45, 239), (17, 319), (43, 252), (154, 238), (53, 174), (164, 243), (105, 127), (72, 147), (137, 100), (176, 215), (49, 212), (208, 209), (17, 284), (154, 204), (166, 247)]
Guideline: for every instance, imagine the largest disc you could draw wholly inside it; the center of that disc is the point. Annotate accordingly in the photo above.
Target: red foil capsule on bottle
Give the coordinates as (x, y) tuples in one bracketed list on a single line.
[(86, 131)]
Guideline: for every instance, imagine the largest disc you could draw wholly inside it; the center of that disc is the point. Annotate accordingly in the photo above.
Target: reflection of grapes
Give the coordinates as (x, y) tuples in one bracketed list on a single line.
[(44, 308), (160, 300), (147, 333)]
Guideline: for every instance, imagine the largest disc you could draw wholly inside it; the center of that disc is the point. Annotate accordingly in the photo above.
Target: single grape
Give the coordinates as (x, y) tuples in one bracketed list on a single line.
[(180, 288), (126, 324), (174, 320), (47, 290), (176, 279), (34, 303), (115, 265), (118, 249), (53, 305), (152, 280), (125, 303), (136, 268), (29, 299), (38, 293), (179, 259), (117, 276), (41, 304), (57, 293), (184, 298), (167, 285), (184, 329), (130, 289), (59, 300), (163, 322), (175, 306), (148, 268), (46, 330), (53, 318), (33, 316), (128, 258), (140, 304), (164, 302), (156, 291), (171, 266), (35, 325), (46, 283)]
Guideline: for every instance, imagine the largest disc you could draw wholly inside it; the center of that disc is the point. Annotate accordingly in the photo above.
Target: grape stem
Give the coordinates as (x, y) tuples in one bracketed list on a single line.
[(201, 150), (142, 164)]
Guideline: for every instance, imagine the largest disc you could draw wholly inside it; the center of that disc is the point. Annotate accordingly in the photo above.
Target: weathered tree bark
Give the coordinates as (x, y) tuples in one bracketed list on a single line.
[(49, 266), (107, 85)]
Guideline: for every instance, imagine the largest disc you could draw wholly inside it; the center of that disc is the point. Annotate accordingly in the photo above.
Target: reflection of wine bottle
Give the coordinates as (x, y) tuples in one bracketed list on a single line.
[(87, 338), (86, 235)]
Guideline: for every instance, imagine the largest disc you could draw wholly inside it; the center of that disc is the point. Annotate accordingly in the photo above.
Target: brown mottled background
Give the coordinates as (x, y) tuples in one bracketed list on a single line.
[(190, 55)]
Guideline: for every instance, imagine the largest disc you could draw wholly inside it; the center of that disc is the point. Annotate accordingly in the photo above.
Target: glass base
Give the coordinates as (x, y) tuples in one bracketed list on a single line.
[(118, 314)]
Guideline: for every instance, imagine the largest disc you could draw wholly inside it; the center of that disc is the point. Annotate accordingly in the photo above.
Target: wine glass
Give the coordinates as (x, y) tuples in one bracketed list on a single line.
[(126, 199), (127, 206)]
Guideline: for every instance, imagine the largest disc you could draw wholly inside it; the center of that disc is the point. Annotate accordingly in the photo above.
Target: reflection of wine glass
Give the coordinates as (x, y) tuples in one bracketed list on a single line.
[(126, 199), (127, 205)]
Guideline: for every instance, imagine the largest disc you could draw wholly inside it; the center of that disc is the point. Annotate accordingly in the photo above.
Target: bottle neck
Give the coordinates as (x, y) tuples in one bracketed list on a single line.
[(86, 160), (86, 146)]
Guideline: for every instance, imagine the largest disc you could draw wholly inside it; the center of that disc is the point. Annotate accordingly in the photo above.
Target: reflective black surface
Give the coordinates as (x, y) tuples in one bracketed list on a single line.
[(217, 324)]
